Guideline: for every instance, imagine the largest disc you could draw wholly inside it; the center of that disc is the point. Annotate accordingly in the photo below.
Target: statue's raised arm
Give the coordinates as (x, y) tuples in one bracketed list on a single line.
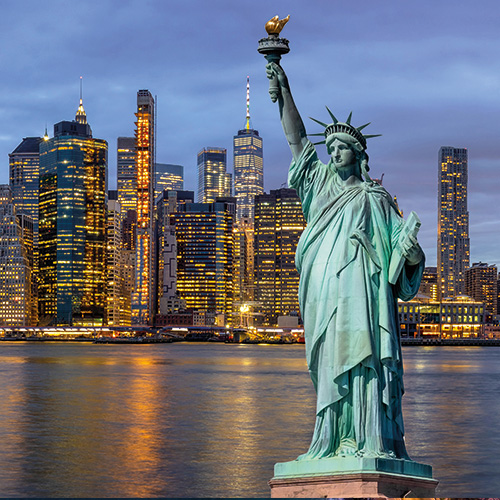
[(291, 120)]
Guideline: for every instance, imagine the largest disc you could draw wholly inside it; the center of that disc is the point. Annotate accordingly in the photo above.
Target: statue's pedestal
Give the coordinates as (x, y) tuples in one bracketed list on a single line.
[(350, 477)]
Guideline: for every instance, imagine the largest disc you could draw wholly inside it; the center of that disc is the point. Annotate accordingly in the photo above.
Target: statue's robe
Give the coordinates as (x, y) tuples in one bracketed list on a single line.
[(350, 310)]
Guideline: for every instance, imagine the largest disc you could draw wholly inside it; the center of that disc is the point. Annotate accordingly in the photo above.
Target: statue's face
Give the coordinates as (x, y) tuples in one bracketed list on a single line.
[(341, 153)]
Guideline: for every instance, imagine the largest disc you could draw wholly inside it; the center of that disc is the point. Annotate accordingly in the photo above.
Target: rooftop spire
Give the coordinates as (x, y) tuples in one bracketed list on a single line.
[(248, 104), (81, 117)]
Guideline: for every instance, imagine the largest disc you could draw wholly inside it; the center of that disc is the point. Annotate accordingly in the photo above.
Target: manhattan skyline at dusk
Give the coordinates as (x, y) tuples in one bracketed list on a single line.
[(425, 75)]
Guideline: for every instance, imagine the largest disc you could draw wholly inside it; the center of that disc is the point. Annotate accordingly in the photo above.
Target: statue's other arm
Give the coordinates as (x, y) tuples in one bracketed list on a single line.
[(293, 126)]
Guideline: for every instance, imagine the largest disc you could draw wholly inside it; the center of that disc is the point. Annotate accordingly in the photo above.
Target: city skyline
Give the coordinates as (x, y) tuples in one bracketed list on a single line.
[(421, 82)]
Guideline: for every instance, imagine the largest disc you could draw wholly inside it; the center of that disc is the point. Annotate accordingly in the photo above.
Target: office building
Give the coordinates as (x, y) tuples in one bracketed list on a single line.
[(279, 222), (168, 177), (244, 286), (205, 250), (118, 295), (481, 285), (126, 173), (453, 221), (166, 206), (143, 297), (248, 167), (213, 180), (72, 225), (429, 283), (15, 268)]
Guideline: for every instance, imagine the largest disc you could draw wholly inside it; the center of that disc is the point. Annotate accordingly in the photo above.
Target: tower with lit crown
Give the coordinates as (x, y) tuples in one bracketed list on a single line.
[(248, 167), (72, 225)]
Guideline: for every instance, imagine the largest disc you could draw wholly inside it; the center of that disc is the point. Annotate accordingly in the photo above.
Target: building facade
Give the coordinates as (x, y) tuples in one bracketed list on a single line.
[(462, 317), (143, 297), (16, 307), (72, 225), (429, 283), (453, 221), (126, 173), (279, 222), (168, 177), (213, 180), (205, 252), (481, 285)]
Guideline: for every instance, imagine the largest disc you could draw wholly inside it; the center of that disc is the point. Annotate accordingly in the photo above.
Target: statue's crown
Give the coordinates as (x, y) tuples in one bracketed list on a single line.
[(345, 128)]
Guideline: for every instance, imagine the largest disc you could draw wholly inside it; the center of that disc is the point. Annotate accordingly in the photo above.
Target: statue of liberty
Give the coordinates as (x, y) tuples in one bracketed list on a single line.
[(355, 258)]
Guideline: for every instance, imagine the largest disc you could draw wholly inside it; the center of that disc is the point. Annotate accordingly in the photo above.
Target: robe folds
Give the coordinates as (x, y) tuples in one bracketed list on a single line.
[(350, 310)]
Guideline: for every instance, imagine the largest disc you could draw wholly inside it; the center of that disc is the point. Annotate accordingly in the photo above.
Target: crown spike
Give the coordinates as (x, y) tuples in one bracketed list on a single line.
[(363, 126), (348, 121), (321, 142), (373, 135), (335, 121), (321, 133), (317, 121)]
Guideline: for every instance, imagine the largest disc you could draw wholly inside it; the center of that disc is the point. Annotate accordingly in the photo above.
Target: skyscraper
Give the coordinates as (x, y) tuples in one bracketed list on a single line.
[(72, 225), (24, 165), (279, 222), (248, 167), (126, 173), (143, 297), (204, 233), (15, 264), (453, 222), (213, 180), (168, 177)]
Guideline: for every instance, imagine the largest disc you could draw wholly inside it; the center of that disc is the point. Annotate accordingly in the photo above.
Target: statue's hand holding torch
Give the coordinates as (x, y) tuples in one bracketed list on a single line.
[(273, 48)]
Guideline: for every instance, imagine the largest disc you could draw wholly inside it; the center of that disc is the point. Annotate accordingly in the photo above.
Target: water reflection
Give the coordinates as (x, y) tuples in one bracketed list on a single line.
[(194, 420)]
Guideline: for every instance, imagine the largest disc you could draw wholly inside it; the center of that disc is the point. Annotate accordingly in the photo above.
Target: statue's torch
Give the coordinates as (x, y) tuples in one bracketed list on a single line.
[(273, 47)]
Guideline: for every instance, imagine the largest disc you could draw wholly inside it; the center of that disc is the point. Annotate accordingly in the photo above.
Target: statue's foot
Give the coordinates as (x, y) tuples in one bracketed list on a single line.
[(375, 454)]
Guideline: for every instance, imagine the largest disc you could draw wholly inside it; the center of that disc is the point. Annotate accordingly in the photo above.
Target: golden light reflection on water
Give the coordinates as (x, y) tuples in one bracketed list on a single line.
[(210, 420)]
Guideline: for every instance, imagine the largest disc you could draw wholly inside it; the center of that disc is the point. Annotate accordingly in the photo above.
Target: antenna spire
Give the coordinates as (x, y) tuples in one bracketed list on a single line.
[(81, 116), (248, 104)]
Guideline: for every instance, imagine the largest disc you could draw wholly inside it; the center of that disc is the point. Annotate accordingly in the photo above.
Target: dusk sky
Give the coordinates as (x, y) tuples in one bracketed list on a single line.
[(426, 74)]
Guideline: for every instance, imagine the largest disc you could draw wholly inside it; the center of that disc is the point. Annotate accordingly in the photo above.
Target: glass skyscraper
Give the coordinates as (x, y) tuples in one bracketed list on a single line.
[(453, 254), (248, 167), (126, 173), (213, 180), (168, 177), (72, 225)]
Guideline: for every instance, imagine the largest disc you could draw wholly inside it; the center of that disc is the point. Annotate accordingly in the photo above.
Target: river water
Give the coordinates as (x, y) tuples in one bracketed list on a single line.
[(210, 420)]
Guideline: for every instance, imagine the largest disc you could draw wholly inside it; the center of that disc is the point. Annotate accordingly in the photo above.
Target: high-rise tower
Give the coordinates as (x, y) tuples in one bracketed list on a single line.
[(126, 173), (142, 298), (248, 167), (453, 222), (213, 180), (72, 225)]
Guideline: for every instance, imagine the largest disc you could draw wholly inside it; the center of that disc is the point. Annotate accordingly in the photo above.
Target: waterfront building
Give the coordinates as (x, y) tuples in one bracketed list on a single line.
[(248, 167), (205, 252), (168, 177), (143, 297), (453, 221), (461, 317), (166, 206), (481, 285), (213, 180), (72, 225), (16, 257), (126, 173), (118, 297), (429, 283), (279, 222)]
